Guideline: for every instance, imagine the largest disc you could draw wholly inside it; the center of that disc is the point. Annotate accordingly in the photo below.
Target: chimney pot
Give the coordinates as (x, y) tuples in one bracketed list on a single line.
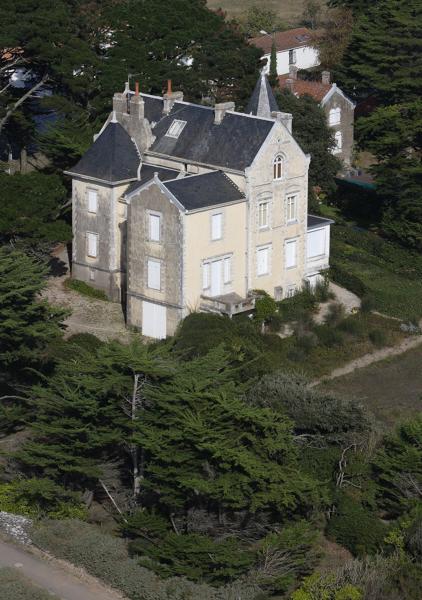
[(137, 88), (168, 86), (170, 98), (326, 77), (220, 110)]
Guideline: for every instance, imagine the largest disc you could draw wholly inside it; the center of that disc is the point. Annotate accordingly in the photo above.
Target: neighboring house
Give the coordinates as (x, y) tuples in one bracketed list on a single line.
[(293, 48), (179, 207), (337, 106)]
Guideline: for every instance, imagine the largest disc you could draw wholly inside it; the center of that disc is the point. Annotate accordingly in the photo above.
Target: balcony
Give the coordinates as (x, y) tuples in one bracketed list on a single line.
[(227, 304)]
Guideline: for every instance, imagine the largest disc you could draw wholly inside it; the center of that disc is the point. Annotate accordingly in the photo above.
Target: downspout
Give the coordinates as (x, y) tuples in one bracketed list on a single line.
[(248, 277)]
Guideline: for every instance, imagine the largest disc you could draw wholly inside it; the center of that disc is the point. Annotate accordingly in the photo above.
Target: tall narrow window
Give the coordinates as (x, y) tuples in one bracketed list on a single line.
[(334, 116), (205, 275), (291, 202), (278, 166), (263, 215), (290, 254), (154, 274), (92, 244), (92, 201), (292, 57), (217, 226), (227, 269), (263, 261), (338, 139), (154, 227)]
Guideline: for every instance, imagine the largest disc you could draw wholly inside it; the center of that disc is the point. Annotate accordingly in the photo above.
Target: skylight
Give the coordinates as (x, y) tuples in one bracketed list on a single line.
[(175, 128)]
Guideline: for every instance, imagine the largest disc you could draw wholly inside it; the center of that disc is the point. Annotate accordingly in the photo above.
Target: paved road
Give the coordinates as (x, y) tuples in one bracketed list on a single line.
[(50, 577)]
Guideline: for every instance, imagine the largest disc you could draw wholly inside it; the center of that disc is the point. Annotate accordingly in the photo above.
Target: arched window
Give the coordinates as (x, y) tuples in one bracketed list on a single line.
[(278, 165), (338, 138), (334, 116)]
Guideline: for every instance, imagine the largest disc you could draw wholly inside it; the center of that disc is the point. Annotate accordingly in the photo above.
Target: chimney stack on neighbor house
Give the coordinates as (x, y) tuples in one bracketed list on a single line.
[(293, 72), (290, 84), (326, 77), (220, 111), (170, 98), (285, 118), (137, 105)]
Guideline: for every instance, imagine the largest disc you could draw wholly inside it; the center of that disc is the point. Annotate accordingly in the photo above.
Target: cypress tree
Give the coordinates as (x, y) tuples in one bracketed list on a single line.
[(273, 75)]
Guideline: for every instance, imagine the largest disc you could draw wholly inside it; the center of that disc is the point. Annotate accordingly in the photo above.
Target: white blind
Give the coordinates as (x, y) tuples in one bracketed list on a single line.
[(217, 226), (315, 243), (92, 201), (227, 269), (154, 228), (92, 239), (263, 261), (290, 254), (205, 276), (154, 274)]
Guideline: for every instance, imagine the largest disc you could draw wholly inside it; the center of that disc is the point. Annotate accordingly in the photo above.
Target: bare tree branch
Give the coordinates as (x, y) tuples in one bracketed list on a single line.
[(21, 100)]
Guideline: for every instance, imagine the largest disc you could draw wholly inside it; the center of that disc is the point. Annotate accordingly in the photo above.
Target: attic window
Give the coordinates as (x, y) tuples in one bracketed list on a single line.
[(175, 128)]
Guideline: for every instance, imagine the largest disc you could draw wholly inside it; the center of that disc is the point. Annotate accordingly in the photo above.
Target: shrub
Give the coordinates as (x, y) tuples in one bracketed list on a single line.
[(378, 337), (86, 290), (87, 341), (321, 291), (356, 528), (328, 336), (13, 586), (335, 314), (326, 587), (354, 326), (302, 303), (368, 303), (347, 280), (106, 557), (307, 341), (275, 323), (265, 308)]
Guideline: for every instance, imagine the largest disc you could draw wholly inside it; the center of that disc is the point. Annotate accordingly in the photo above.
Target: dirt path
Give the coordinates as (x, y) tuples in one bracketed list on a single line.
[(368, 359), (53, 578)]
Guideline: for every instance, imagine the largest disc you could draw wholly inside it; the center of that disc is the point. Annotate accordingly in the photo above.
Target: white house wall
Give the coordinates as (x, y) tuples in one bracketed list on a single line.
[(306, 58)]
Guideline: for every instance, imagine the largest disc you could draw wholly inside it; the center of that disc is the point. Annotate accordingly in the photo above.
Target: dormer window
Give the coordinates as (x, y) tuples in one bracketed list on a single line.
[(175, 128), (278, 166)]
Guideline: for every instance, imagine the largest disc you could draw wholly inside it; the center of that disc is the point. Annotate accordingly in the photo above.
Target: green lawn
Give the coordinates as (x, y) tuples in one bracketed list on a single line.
[(391, 389), (289, 11)]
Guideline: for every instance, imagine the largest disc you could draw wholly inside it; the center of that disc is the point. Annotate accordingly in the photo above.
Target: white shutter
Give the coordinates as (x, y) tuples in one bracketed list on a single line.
[(290, 254), (92, 201), (92, 244), (216, 226), (205, 276), (154, 274), (154, 320), (227, 270), (262, 261), (154, 228), (316, 243)]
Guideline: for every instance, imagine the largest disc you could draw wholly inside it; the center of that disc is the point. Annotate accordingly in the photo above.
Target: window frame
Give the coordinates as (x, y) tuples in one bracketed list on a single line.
[(289, 196), (338, 146), (156, 215), (157, 261), (97, 244), (90, 191), (264, 203), (279, 165), (267, 248), (292, 56), (287, 243), (179, 124), (213, 215)]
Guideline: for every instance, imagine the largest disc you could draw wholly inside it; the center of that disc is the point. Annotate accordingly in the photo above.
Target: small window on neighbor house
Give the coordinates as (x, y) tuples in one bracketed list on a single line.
[(338, 138), (290, 254), (154, 274), (217, 226), (92, 244), (154, 227), (292, 57), (334, 116), (92, 201), (278, 167), (263, 215), (291, 208), (175, 128)]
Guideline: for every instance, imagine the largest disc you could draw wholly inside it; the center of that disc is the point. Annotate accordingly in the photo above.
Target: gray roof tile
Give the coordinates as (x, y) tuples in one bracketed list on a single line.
[(147, 173), (206, 190), (262, 102)]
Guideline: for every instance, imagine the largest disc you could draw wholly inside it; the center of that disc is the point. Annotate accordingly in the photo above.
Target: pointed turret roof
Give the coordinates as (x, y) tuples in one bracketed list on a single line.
[(262, 102)]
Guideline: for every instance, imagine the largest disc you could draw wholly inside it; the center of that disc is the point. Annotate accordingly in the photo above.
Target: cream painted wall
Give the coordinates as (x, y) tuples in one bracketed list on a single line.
[(199, 247)]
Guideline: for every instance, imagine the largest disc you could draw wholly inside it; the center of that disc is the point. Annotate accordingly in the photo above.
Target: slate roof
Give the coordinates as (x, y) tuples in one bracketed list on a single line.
[(113, 157), (233, 144), (147, 173), (206, 190), (284, 40), (314, 221), (316, 89), (262, 102)]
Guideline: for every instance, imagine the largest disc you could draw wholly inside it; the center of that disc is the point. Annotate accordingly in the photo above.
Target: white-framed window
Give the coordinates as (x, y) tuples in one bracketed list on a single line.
[(92, 244), (154, 227), (175, 128), (338, 140), (334, 116), (263, 214), (290, 254), (278, 167), (92, 200), (291, 208), (263, 260), (205, 275), (227, 269), (291, 291), (316, 243), (217, 226), (292, 57), (154, 274)]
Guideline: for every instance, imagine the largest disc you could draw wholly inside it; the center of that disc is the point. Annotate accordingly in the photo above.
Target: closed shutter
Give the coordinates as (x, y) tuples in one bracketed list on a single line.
[(154, 274), (227, 270), (217, 226), (290, 254), (205, 276), (263, 261), (92, 201), (154, 320), (316, 243), (154, 228), (92, 239)]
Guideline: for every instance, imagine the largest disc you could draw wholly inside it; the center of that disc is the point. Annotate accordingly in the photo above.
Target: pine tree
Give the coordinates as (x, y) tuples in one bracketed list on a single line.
[(273, 75)]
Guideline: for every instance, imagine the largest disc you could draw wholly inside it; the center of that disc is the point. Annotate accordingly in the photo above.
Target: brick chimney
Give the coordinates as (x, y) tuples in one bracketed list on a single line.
[(220, 111), (293, 72), (137, 105), (290, 84), (170, 98), (326, 77)]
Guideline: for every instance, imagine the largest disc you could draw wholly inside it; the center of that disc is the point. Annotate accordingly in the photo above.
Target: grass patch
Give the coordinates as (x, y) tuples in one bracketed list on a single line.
[(86, 290), (13, 586), (391, 389), (369, 265), (289, 11)]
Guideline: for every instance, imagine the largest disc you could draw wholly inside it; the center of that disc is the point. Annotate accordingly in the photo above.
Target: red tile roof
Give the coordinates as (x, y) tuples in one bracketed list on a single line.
[(284, 40), (316, 89)]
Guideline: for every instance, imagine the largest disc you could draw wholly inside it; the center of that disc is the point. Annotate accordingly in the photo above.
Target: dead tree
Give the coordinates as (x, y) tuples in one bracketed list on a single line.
[(133, 405)]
